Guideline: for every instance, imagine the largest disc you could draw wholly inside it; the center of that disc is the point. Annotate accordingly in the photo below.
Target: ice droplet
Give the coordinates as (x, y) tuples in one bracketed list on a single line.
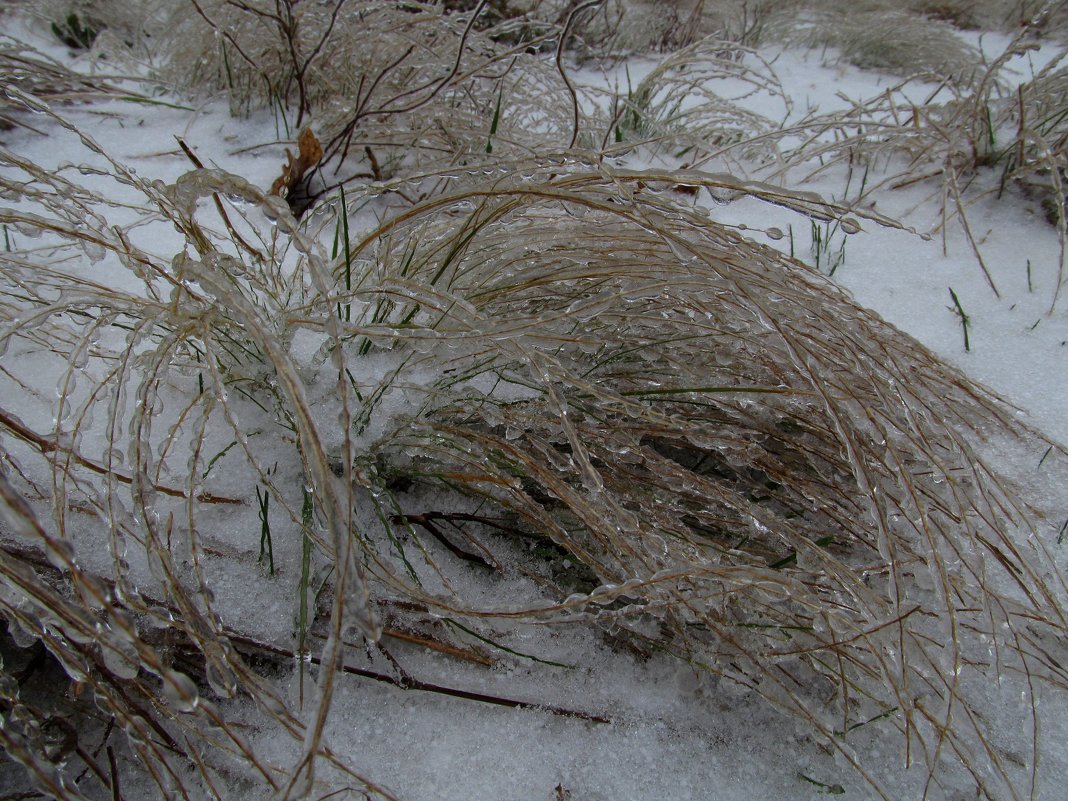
[(60, 553), (724, 195), (221, 680), (22, 636), (120, 658), (180, 691), (93, 251)]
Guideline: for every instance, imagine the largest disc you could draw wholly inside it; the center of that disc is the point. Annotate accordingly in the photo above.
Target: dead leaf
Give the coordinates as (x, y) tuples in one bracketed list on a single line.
[(310, 151)]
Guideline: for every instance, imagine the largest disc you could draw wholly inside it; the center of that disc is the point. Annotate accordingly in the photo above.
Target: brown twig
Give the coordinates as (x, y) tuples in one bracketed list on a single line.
[(45, 445), (376, 170), (218, 203), (563, 73), (426, 522), (409, 683), (436, 645)]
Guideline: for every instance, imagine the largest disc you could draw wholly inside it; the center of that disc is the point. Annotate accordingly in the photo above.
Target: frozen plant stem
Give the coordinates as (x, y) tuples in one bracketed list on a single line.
[(264, 499), (493, 123), (342, 232), (965, 321), (560, 65), (306, 514)]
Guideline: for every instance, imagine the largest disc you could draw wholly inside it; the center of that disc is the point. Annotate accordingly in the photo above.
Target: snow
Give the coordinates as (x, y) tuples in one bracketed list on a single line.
[(672, 734)]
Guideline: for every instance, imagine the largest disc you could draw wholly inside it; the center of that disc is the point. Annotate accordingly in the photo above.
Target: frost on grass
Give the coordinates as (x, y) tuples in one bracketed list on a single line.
[(550, 369)]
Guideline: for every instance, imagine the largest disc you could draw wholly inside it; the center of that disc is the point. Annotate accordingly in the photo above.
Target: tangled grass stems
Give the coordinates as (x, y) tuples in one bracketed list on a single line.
[(420, 84), (968, 124), (749, 472), (890, 39), (967, 127), (681, 103), (23, 68)]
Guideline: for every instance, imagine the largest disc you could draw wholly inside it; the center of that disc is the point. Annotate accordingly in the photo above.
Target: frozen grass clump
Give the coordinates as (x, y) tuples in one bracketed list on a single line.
[(901, 36), (303, 56), (761, 478), (980, 15), (118, 36), (692, 102), (1037, 157), (392, 88), (628, 26), (889, 40), (623, 26), (245, 454), (991, 14), (969, 138)]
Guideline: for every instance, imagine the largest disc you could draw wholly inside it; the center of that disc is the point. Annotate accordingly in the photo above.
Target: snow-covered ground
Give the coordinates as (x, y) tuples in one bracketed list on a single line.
[(672, 735)]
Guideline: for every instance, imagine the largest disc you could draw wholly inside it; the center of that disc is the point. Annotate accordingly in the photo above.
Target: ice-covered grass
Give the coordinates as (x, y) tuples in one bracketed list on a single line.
[(562, 461)]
